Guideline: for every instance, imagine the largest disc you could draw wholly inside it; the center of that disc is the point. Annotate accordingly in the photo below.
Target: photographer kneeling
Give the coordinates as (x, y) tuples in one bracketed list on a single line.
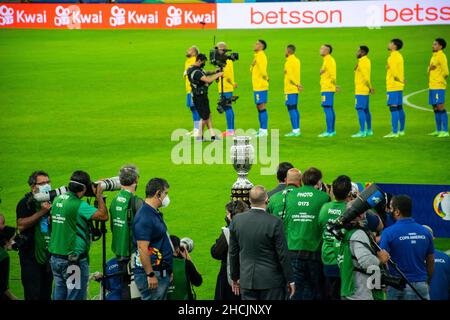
[(185, 275), (70, 237), (355, 257), (200, 80)]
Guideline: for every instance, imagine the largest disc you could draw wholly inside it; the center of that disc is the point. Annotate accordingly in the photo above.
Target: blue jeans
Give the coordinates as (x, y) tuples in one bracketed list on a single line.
[(308, 279), (71, 280), (408, 293), (160, 293)]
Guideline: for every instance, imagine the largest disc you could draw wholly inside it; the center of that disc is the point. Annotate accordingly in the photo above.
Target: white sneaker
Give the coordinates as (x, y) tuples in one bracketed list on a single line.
[(262, 133)]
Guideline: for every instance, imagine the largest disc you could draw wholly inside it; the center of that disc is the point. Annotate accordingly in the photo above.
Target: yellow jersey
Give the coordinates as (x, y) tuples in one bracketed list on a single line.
[(260, 78), (228, 76), (362, 76), (328, 77), (395, 70), (291, 74), (438, 76), (189, 62)]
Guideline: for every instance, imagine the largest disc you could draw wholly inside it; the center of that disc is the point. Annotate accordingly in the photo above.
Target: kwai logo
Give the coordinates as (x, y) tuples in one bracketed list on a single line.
[(73, 18), (6, 16), (174, 16), (118, 16)]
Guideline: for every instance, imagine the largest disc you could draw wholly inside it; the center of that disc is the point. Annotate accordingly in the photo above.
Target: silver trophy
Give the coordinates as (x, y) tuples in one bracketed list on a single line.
[(242, 154)]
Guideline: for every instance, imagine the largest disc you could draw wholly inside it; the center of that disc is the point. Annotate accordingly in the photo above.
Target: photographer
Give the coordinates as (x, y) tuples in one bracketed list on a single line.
[(122, 210), (304, 235), (70, 236), (355, 257), (219, 251), (6, 236), (199, 82), (33, 225), (228, 87), (185, 275)]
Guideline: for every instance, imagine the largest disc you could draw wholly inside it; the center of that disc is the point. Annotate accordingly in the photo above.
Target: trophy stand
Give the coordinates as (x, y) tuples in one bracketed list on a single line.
[(242, 157)]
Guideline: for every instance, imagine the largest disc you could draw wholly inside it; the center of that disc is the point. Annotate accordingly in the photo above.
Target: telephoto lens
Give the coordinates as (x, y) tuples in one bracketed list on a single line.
[(50, 195), (109, 184), (187, 243)]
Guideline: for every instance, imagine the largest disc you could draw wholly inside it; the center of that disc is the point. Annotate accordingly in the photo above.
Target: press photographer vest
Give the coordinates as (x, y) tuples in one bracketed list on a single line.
[(64, 224), (346, 267), (199, 87), (179, 289), (41, 238), (123, 209)]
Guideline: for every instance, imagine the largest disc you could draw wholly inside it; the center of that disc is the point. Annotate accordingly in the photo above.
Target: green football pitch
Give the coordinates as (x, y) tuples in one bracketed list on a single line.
[(95, 100)]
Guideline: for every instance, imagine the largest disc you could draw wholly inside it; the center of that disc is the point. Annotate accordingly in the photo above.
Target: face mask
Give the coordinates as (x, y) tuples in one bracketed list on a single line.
[(165, 202), (45, 188)]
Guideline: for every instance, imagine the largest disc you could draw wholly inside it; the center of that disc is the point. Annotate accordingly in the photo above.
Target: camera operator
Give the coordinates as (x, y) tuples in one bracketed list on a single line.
[(33, 225), (191, 55), (185, 275), (70, 236), (122, 210), (354, 258), (5, 244), (219, 251), (411, 247), (200, 80), (228, 87)]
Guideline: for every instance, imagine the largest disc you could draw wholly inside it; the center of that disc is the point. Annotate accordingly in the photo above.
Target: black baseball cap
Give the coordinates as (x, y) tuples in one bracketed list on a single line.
[(202, 57)]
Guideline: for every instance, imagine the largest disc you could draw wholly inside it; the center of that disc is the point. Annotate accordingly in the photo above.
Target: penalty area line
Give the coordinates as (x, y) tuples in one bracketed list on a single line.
[(412, 105)]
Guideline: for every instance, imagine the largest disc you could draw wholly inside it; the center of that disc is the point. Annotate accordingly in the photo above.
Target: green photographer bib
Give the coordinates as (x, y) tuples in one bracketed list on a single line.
[(64, 224), (330, 212), (122, 244)]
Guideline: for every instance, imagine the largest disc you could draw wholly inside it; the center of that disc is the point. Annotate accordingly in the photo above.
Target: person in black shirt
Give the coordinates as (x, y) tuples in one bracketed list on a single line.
[(33, 224), (200, 80), (219, 251)]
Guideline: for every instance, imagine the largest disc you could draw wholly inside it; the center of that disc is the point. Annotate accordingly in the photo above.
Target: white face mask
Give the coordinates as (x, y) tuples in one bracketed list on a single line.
[(165, 201), (45, 188)]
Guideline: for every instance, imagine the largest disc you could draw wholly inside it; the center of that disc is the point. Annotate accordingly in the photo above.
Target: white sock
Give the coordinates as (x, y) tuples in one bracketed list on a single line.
[(296, 130)]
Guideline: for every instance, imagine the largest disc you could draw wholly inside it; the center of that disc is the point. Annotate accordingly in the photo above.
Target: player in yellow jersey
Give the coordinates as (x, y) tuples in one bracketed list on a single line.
[(395, 82), (438, 74), (363, 87), (292, 86), (327, 89), (228, 87), (260, 82), (191, 55)]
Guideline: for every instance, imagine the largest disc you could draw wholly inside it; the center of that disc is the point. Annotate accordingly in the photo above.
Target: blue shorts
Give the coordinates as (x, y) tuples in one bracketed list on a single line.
[(327, 99), (260, 96), (291, 99), (436, 96), (361, 102), (395, 98), (189, 101)]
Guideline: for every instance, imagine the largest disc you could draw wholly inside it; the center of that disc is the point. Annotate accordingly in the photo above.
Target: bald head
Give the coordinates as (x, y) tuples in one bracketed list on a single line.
[(294, 177), (258, 196)]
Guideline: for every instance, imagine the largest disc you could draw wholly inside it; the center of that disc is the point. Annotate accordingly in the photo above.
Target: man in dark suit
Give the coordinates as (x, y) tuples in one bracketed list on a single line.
[(259, 258), (282, 170)]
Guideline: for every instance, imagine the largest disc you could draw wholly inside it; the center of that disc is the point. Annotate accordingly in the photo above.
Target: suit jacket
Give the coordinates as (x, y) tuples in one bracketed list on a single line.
[(258, 252), (278, 188)]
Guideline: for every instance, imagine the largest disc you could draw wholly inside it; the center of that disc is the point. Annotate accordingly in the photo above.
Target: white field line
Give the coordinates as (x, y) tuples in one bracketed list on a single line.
[(405, 101)]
